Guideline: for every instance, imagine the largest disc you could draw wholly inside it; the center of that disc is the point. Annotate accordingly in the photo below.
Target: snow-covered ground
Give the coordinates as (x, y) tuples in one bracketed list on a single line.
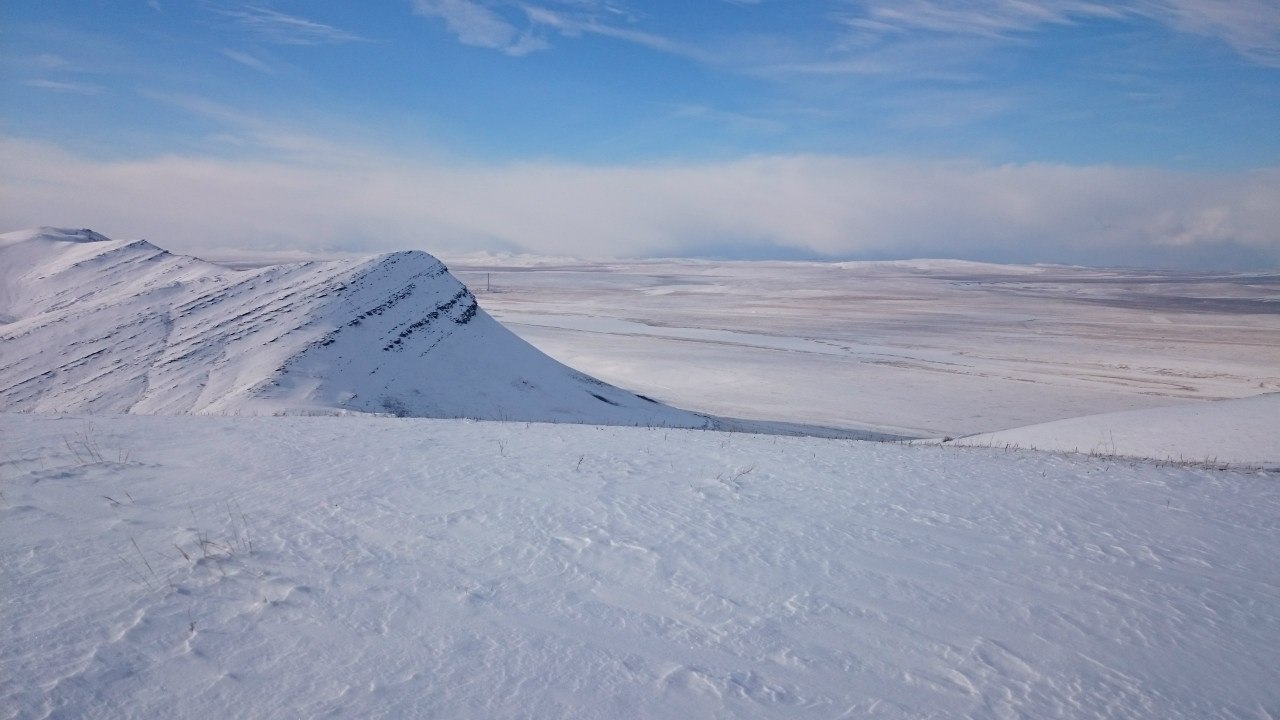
[(928, 348), (194, 567), (354, 565), (1241, 432)]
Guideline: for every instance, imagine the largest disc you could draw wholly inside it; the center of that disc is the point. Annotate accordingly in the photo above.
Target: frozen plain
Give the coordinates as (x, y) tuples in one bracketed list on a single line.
[(376, 567), (925, 348)]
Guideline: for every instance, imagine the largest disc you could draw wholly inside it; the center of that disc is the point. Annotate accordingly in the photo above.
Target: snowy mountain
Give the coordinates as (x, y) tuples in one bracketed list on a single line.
[(95, 325)]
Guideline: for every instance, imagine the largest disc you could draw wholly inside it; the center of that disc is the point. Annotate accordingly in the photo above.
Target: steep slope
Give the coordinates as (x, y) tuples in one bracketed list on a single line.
[(104, 326)]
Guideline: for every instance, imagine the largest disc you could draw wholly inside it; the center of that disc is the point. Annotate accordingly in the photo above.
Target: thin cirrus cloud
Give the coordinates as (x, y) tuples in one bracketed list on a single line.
[(1250, 27), (65, 87), (480, 25), (588, 24), (477, 25), (799, 205), (249, 61), (993, 19), (276, 27)]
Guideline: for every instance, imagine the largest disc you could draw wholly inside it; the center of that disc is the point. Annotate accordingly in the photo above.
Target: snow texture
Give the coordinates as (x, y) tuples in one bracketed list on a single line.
[(195, 567)]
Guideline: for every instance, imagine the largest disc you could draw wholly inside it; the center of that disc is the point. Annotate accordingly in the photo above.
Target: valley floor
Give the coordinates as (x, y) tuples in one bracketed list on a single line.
[(191, 567)]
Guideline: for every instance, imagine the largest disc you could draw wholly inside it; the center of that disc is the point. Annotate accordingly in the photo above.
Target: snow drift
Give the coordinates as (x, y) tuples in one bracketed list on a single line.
[(91, 324), (1243, 431)]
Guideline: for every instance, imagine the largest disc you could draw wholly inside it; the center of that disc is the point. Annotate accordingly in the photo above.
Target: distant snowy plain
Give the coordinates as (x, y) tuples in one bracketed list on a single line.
[(362, 566), (925, 348)]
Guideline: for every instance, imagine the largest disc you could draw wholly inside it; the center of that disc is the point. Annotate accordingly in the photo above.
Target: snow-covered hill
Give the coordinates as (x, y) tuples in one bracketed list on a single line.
[(97, 325)]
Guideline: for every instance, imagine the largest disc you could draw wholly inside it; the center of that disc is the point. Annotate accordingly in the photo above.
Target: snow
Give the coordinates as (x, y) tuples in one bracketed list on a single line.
[(921, 348), (278, 546), (103, 326), (383, 567), (1242, 432)]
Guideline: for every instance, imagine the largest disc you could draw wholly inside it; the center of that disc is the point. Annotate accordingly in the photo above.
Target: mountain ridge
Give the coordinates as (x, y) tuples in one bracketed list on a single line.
[(96, 325)]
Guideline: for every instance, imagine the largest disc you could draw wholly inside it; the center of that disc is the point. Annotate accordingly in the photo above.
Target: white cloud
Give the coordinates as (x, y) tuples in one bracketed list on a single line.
[(989, 18), (67, 87), (920, 28), (480, 26), (834, 206), (575, 25), (277, 27), (911, 37), (1251, 27), (269, 140), (249, 61)]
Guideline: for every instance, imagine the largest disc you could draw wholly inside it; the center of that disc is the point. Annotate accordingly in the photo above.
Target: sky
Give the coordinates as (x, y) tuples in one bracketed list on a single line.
[(1132, 132)]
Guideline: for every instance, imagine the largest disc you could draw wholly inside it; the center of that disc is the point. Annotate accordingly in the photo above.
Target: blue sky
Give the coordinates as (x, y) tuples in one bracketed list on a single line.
[(1140, 132)]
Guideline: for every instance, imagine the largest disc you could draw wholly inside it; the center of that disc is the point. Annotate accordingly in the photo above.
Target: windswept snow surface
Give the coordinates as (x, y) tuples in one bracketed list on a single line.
[(195, 567), (96, 325), (1242, 432)]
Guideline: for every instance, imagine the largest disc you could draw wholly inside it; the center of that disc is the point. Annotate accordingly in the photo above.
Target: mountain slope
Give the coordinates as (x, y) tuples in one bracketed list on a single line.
[(106, 326)]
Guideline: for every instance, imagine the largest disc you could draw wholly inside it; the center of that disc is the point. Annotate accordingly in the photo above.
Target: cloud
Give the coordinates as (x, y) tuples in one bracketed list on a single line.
[(479, 26), (575, 25), (249, 61), (276, 27), (66, 87), (921, 39), (266, 140), (932, 39), (986, 18), (1251, 27), (786, 205)]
